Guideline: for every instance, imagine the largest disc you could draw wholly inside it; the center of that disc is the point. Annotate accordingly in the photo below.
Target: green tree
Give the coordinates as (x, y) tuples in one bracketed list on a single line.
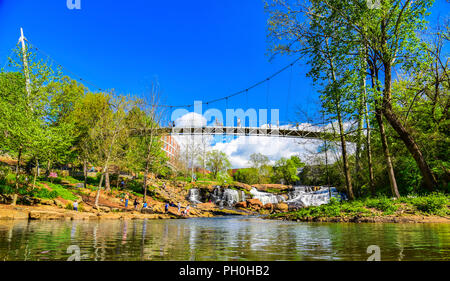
[(260, 163), (217, 162), (286, 170)]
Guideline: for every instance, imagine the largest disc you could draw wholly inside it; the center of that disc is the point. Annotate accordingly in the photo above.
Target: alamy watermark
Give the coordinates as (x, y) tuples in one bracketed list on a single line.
[(76, 253), (234, 121), (73, 4), (375, 251)]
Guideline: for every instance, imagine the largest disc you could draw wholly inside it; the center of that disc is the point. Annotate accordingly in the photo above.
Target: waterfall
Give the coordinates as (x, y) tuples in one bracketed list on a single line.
[(227, 197), (305, 196), (194, 196), (265, 197), (300, 196)]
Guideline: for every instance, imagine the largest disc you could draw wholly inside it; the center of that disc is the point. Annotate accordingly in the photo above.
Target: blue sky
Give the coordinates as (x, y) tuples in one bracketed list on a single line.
[(197, 50)]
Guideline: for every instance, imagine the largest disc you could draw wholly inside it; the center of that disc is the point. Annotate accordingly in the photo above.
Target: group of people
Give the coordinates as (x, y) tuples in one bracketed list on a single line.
[(184, 213)]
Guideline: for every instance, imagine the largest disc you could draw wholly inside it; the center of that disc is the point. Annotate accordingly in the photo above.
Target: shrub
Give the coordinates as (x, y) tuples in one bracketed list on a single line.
[(432, 204), (44, 193), (382, 204), (6, 189)]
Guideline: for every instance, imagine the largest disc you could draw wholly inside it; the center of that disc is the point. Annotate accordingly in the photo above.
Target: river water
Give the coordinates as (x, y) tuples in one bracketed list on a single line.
[(220, 239)]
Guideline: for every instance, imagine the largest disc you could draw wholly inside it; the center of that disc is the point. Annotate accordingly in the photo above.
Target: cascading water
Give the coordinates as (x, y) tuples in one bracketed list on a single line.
[(226, 197), (265, 197), (194, 196), (298, 197), (305, 196)]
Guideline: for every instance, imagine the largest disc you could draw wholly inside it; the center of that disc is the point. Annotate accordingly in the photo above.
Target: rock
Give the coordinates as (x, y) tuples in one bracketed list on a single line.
[(268, 206), (44, 215), (254, 203), (59, 204), (9, 214), (147, 211), (46, 202), (242, 186), (278, 187), (206, 206), (282, 207), (158, 208), (241, 205), (104, 209), (88, 209)]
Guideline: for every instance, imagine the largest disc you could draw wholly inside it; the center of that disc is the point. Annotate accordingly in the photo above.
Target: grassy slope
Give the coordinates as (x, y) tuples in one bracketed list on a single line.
[(435, 204)]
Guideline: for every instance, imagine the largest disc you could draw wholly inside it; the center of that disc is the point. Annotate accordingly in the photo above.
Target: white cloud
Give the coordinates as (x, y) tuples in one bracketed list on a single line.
[(191, 120)]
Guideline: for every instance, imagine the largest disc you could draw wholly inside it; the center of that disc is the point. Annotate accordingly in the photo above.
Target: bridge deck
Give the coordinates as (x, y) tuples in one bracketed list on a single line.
[(249, 131)]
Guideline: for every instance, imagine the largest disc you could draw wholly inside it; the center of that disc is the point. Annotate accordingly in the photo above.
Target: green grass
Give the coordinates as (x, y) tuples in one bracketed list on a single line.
[(71, 180), (62, 191), (434, 204)]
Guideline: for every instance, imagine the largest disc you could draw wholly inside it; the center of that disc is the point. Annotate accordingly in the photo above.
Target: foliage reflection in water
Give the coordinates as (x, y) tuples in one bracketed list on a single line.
[(221, 239)]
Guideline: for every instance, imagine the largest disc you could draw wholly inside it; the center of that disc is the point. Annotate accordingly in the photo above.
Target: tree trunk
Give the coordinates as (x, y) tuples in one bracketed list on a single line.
[(47, 173), (428, 176), (85, 173), (14, 202), (387, 155), (383, 138), (359, 143), (348, 178), (145, 183), (97, 196), (35, 173), (369, 147), (107, 183)]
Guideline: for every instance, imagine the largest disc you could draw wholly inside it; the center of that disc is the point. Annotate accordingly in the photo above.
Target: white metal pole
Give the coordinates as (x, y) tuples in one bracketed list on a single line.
[(25, 62)]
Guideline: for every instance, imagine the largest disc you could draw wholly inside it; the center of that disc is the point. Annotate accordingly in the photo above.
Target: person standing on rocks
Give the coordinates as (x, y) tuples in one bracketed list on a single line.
[(167, 207), (179, 207), (135, 204), (75, 206), (126, 200)]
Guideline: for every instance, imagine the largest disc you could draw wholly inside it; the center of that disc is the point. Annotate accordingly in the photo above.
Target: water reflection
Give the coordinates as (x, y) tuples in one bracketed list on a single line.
[(221, 239)]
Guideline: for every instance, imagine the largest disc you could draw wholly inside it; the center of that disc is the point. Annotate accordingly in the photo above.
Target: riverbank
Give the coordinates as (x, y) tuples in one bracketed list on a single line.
[(433, 208), (8, 212), (111, 203)]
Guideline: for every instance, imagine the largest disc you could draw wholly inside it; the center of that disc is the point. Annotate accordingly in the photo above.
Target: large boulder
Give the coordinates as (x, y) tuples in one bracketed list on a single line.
[(241, 205), (282, 207), (242, 186), (45, 215), (46, 202), (268, 206), (278, 187), (254, 203)]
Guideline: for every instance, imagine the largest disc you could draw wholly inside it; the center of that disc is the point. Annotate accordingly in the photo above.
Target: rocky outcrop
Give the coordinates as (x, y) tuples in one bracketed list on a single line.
[(242, 186), (242, 205), (268, 206), (11, 214), (279, 187), (281, 207), (47, 215), (254, 204)]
